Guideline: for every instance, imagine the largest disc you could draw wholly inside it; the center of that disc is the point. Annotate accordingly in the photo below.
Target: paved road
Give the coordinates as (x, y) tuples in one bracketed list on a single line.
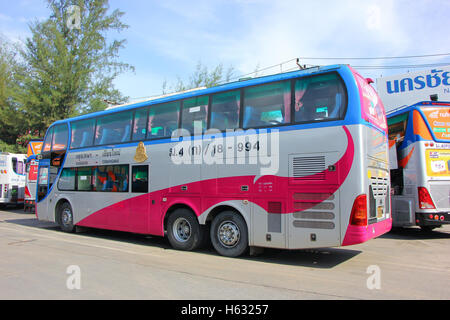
[(35, 257)]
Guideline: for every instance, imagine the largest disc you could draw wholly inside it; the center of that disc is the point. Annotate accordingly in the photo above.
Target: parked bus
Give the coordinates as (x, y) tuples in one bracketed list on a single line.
[(33, 149), (419, 138), (12, 178), (293, 160)]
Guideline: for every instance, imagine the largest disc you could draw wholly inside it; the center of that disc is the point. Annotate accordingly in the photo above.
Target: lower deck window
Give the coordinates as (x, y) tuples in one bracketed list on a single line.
[(96, 178)]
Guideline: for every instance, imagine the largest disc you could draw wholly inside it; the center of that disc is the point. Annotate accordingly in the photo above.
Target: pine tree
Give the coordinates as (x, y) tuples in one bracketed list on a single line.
[(71, 64)]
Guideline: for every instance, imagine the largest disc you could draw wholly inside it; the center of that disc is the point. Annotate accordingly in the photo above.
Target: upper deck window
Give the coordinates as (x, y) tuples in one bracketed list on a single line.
[(82, 133), (60, 137), (267, 105), (113, 128), (194, 114), (225, 110), (48, 141), (321, 97), (140, 124), (163, 120)]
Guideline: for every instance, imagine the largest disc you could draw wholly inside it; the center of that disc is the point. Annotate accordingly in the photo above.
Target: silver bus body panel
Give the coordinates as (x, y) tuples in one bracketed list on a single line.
[(318, 226)]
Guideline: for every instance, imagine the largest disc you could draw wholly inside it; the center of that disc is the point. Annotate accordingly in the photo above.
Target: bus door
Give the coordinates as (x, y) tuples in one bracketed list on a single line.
[(42, 185), (139, 204)]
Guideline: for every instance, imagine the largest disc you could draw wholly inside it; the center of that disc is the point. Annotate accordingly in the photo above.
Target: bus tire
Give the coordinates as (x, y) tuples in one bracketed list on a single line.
[(65, 218), (229, 234), (183, 230)]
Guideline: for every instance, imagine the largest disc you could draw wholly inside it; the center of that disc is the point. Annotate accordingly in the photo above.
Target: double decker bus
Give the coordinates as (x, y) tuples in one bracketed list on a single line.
[(31, 169), (293, 160), (419, 137), (12, 178)]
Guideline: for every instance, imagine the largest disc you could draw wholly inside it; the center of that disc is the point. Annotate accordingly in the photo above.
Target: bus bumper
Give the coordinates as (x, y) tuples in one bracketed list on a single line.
[(433, 219), (360, 234), (28, 205)]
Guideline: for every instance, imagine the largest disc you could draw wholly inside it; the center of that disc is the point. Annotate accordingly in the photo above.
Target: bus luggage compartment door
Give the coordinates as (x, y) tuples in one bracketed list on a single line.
[(314, 197)]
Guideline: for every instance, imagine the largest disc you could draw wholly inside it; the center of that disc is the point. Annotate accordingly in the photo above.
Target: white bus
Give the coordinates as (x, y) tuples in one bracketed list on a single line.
[(419, 137), (12, 178), (294, 160)]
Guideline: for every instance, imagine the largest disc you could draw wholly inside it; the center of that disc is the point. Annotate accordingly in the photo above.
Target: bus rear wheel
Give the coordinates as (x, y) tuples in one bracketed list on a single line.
[(65, 218), (229, 235), (183, 230)]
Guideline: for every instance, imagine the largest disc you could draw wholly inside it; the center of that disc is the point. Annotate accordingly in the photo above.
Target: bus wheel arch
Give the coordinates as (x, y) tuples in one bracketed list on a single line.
[(64, 215)]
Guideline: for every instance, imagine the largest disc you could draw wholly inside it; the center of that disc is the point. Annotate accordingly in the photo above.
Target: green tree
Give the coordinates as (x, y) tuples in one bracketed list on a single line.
[(71, 64), (201, 77), (11, 116)]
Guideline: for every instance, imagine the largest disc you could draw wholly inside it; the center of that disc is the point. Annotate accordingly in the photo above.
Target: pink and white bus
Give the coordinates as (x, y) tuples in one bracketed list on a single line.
[(293, 160)]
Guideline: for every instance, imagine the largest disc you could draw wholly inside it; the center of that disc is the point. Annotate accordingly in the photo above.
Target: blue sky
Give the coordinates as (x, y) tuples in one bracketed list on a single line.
[(166, 39)]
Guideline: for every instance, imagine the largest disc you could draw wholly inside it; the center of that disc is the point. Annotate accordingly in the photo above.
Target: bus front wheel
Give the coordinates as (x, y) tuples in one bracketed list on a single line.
[(183, 230), (65, 218), (229, 235)]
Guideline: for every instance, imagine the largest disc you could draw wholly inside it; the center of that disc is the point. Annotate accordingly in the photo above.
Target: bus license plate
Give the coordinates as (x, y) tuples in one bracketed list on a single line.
[(379, 211)]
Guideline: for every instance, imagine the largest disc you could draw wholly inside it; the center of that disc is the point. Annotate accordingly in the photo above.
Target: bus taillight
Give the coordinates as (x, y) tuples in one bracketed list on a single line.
[(359, 211), (425, 201)]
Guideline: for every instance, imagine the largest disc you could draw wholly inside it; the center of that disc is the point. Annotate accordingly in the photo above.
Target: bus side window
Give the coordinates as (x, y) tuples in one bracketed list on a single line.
[(140, 124), (82, 133), (319, 98), (225, 110), (194, 114), (139, 179), (14, 164), (163, 120), (113, 128), (60, 137), (267, 105)]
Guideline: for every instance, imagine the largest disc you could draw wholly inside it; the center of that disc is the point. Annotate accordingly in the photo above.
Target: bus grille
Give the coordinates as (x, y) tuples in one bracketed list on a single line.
[(379, 187), (314, 210), (308, 168)]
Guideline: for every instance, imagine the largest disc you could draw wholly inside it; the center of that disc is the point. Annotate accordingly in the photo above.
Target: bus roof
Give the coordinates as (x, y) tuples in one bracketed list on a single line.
[(219, 88), (404, 109)]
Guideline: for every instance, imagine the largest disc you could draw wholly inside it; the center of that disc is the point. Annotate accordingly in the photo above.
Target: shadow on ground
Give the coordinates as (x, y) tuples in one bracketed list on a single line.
[(323, 258), (415, 233)]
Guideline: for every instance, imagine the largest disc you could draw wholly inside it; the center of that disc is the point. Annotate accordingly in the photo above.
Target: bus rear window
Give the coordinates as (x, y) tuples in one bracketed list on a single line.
[(439, 121), (319, 98)]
